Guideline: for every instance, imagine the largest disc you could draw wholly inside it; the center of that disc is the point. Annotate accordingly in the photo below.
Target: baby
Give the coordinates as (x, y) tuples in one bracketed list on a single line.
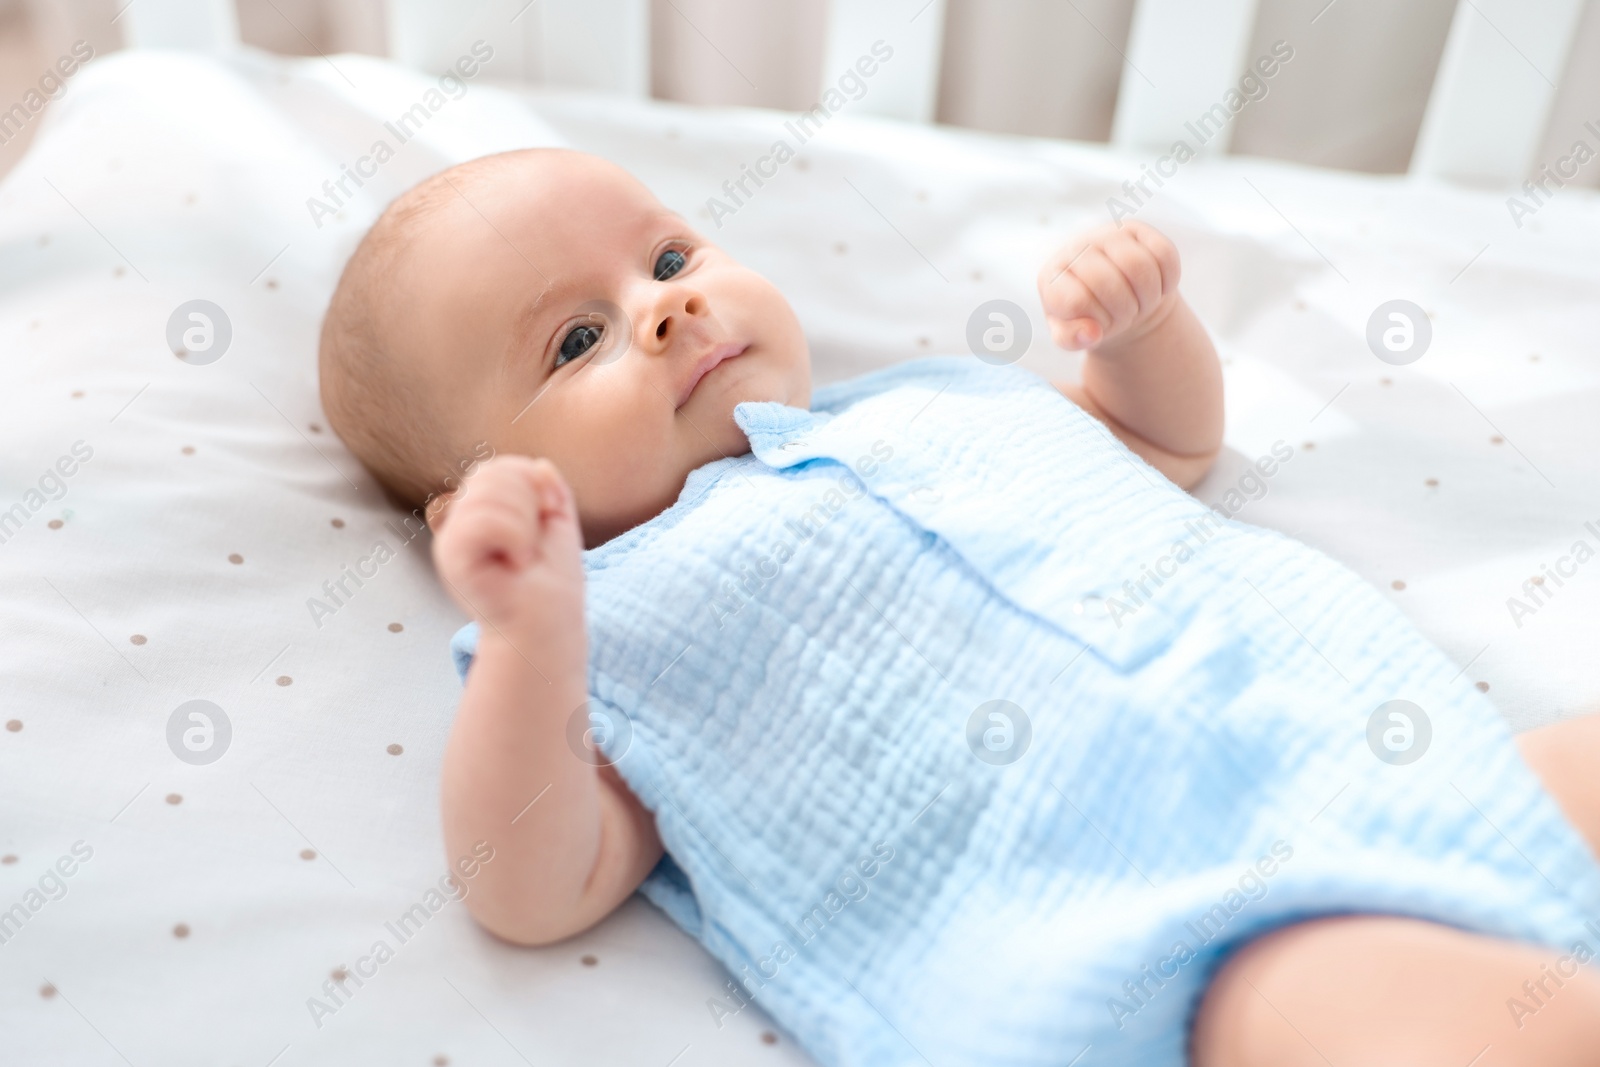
[(830, 677)]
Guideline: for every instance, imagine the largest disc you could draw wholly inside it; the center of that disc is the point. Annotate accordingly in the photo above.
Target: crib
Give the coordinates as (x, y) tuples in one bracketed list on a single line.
[(218, 908), (1493, 94)]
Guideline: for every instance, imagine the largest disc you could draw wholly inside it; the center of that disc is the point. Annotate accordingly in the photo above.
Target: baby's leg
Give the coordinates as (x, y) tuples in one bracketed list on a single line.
[(1370, 991), (1566, 757), (1383, 991)]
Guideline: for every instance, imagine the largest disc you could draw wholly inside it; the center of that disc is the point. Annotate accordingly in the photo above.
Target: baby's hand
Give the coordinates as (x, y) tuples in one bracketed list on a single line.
[(509, 549), (1109, 285)]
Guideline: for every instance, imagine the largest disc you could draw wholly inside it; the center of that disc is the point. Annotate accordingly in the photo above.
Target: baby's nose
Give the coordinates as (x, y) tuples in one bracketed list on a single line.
[(690, 305)]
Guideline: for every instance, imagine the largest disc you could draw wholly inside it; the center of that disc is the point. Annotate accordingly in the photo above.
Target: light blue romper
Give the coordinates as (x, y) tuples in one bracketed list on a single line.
[(795, 667)]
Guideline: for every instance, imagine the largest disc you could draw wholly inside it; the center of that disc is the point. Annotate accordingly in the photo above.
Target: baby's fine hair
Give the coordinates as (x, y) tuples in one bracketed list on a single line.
[(377, 398)]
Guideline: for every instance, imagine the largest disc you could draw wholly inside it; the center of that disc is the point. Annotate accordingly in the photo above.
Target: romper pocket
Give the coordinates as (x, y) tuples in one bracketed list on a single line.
[(1056, 537)]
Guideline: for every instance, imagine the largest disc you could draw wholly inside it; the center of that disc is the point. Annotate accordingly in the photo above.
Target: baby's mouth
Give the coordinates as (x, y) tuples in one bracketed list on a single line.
[(706, 364)]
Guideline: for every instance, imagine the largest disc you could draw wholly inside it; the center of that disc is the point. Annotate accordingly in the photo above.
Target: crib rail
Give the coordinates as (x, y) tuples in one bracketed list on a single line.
[(908, 88), (1485, 122), (197, 25), (1183, 57), (1495, 88)]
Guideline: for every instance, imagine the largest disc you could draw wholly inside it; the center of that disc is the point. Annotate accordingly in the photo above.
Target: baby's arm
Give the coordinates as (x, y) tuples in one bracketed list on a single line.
[(1151, 374), (570, 842)]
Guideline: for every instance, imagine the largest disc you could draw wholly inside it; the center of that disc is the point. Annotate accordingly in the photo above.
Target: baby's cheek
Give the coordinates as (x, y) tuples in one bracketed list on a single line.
[(765, 307), (643, 471)]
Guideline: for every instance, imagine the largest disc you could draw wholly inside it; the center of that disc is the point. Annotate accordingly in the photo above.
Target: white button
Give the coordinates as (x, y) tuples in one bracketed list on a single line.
[(1092, 605)]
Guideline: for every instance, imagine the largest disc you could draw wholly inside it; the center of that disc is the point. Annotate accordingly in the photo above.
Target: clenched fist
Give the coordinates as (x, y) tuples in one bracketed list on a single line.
[(1109, 286), (509, 549)]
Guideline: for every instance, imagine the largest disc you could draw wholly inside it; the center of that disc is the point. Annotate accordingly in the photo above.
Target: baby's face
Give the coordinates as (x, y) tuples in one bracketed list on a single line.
[(560, 310)]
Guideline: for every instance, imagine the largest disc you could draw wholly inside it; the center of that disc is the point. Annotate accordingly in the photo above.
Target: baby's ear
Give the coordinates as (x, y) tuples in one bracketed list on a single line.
[(435, 509)]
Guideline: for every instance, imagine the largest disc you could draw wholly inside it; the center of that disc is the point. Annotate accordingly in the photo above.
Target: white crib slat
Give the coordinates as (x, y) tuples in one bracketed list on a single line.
[(1496, 83), (191, 25), (905, 86), (599, 45), (602, 45), (428, 34), (1183, 56)]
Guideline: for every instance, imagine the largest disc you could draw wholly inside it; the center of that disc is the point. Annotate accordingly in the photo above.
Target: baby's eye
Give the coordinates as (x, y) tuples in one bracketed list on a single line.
[(577, 343), (669, 263)]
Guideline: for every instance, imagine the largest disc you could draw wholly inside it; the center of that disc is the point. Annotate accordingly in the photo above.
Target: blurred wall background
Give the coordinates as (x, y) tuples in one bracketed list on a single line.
[(1353, 99)]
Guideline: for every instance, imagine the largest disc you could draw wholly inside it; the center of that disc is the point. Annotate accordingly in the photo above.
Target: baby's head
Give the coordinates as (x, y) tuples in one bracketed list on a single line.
[(543, 302)]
